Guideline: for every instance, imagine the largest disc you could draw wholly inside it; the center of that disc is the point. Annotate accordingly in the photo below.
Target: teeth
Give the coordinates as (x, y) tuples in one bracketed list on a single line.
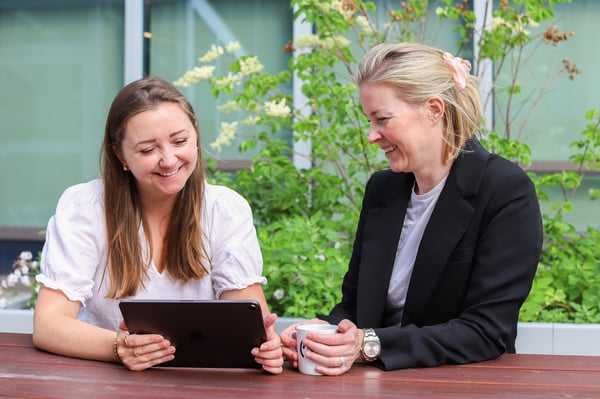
[(388, 149), (169, 174)]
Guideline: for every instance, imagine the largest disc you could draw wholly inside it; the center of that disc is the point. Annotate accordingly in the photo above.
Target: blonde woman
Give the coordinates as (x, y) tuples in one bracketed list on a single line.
[(449, 237), (150, 228)]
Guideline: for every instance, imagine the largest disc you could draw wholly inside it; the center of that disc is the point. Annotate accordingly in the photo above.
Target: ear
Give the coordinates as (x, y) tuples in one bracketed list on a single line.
[(117, 152), (435, 107)]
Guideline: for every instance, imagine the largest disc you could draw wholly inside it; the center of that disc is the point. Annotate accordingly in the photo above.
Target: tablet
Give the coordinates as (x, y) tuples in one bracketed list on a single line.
[(207, 333)]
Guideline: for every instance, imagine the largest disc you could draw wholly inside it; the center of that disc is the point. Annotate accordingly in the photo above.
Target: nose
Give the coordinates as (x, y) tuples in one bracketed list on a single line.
[(373, 136), (168, 158)]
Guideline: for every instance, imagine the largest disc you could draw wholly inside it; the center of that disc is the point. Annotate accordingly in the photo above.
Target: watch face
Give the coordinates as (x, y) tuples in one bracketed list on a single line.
[(371, 349)]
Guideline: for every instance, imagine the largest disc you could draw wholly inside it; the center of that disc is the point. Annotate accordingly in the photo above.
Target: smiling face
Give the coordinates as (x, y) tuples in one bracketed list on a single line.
[(160, 148), (410, 135)]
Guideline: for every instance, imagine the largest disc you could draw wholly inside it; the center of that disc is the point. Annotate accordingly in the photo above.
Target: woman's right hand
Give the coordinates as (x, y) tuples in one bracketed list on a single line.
[(141, 351), (288, 340)]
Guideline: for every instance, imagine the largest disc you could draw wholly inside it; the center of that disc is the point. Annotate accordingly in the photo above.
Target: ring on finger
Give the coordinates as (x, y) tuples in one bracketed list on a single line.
[(135, 354), (125, 340), (343, 362)]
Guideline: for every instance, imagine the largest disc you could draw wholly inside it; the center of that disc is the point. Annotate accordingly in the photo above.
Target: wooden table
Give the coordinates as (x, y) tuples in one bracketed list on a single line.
[(26, 372)]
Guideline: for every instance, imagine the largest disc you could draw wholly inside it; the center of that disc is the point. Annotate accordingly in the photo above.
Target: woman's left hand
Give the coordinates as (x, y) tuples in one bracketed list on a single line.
[(139, 352), (270, 354)]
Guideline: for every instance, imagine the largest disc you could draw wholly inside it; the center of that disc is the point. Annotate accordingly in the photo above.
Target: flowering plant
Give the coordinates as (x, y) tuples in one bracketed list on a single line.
[(25, 268), (306, 198)]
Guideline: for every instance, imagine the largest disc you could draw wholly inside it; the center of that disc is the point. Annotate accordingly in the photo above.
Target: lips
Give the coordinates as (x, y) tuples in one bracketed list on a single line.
[(170, 173)]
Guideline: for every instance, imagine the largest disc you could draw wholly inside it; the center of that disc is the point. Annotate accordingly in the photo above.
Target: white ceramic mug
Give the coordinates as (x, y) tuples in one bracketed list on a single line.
[(305, 365)]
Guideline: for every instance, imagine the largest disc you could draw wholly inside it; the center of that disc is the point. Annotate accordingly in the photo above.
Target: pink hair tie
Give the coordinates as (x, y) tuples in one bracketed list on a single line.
[(460, 69)]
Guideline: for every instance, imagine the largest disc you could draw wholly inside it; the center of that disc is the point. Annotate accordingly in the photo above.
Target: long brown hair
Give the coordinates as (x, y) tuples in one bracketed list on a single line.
[(184, 252)]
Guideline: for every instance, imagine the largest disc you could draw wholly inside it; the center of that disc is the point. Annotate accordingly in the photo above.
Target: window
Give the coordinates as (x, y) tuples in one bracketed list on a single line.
[(62, 62)]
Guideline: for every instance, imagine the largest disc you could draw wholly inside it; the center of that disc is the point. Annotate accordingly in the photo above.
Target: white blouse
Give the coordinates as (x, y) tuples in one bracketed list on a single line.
[(74, 253)]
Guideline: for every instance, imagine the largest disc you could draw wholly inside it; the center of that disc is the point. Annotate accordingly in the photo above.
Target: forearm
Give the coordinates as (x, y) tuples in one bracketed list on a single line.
[(68, 336), (56, 329)]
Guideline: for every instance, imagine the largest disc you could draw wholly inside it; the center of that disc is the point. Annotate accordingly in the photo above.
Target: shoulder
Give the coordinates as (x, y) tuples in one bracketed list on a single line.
[(477, 169), (385, 186), (83, 195), (224, 199)]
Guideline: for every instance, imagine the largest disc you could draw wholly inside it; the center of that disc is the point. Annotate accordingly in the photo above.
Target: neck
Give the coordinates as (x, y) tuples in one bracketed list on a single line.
[(425, 182)]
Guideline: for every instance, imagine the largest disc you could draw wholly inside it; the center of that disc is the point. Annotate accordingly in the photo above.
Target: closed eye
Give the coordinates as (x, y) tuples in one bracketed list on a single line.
[(181, 142), (147, 151)]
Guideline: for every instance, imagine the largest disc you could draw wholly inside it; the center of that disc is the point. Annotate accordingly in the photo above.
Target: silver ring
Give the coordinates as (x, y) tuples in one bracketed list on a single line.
[(343, 365)]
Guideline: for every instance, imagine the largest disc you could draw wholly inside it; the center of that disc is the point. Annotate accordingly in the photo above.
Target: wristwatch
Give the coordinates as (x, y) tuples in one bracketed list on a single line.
[(371, 347)]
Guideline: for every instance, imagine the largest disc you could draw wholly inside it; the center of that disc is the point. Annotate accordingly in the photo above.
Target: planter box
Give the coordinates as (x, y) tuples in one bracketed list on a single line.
[(16, 320), (559, 339), (537, 338)]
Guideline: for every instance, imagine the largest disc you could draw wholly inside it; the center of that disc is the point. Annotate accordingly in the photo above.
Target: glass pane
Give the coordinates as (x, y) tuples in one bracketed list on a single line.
[(61, 63), (183, 30), (585, 211), (555, 120)]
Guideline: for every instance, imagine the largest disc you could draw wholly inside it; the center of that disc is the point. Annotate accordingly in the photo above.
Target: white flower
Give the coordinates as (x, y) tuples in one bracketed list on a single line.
[(334, 42), (251, 120), (497, 21), (212, 54), (320, 257), (363, 24), (25, 280), (26, 256), (227, 134), (233, 46), (227, 81), (279, 294), (308, 41), (277, 109), (250, 65), (229, 106), (12, 279), (194, 76)]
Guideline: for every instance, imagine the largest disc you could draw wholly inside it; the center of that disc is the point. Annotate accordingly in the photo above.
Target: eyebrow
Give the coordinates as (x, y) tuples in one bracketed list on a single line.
[(154, 140)]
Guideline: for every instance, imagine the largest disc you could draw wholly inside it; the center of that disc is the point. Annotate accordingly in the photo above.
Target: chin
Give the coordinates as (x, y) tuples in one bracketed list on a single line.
[(398, 169)]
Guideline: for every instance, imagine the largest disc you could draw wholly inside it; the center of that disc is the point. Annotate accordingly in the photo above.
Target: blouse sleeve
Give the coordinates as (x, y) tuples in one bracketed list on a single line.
[(74, 246), (234, 252)]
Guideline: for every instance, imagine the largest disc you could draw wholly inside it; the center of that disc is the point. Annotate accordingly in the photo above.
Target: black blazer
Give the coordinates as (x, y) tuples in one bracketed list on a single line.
[(473, 270)]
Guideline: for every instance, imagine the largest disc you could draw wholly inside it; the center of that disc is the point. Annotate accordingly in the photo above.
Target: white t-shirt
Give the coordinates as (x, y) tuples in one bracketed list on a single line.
[(74, 254), (417, 216)]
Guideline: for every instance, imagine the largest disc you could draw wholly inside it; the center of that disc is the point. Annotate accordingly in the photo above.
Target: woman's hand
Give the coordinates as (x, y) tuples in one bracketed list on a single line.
[(139, 352), (288, 341), (270, 354), (335, 353)]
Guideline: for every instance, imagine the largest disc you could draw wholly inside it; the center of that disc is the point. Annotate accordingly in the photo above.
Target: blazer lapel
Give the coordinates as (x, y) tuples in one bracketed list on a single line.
[(451, 217), (382, 227)]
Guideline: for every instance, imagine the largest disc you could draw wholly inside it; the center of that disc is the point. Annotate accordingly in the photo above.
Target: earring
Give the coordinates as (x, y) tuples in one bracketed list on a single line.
[(125, 168)]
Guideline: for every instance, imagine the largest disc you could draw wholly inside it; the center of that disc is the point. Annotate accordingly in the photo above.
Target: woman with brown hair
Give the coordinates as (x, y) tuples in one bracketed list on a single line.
[(151, 228)]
